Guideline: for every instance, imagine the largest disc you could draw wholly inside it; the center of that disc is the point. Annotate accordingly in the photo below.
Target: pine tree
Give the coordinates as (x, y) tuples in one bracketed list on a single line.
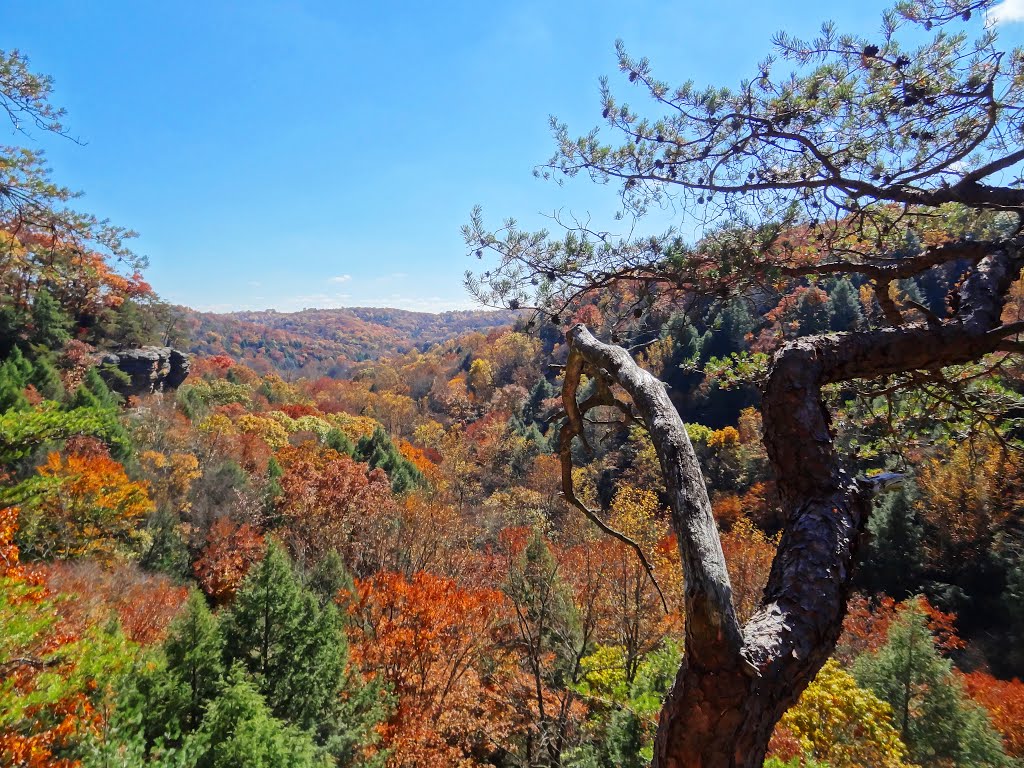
[(15, 373), (46, 379), (330, 578), (168, 551), (543, 390), (50, 324), (339, 441), (813, 314), (937, 722), (894, 560), (93, 392), (377, 450), (296, 651), (165, 701), (272, 492), (241, 731), (844, 306), (731, 329), (193, 650)]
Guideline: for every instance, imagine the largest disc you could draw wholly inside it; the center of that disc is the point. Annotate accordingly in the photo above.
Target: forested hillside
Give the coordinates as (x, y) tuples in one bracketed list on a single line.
[(325, 341), (386, 539)]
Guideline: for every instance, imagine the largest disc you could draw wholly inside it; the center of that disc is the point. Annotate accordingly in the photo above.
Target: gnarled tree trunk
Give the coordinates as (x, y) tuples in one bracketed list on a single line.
[(736, 682)]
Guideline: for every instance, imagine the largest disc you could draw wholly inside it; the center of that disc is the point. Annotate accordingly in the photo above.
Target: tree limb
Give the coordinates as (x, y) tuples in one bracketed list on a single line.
[(713, 636)]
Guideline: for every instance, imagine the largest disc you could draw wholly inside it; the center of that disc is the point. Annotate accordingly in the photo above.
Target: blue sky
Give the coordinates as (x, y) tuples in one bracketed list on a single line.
[(283, 155)]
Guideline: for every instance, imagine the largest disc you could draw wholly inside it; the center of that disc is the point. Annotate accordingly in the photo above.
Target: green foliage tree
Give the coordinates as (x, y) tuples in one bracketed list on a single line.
[(936, 720), (547, 634), (377, 450), (894, 557), (166, 700), (46, 379), (24, 432), (294, 647), (625, 730), (240, 730), (50, 324), (15, 374), (93, 392), (843, 306)]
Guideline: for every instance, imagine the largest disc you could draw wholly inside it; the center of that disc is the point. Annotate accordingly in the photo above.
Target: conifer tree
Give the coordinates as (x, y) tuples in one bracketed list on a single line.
[(296, 651), (339, 441), (193, 649), (163, 704), (93, 392), (844, 308), (241, 731), (46, 379), (377, 450), (894, 556), (331, 577), (50, 324), (936, 720), (15, 373)]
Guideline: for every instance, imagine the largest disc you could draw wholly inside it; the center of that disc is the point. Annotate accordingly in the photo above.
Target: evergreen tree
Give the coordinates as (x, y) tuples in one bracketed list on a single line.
[(46, 379), (15, 373), (165, 701), (273, 490), (168, 551), (50, 324), (910, 291), (844, 306), (1012, 600), (93, 392), (296, 651), (813, 314), (339, 441), (193, 650), (377, 450), (241, 731), (730, 331), (894, 560), (330, 578), (543, 390), (937, 722)]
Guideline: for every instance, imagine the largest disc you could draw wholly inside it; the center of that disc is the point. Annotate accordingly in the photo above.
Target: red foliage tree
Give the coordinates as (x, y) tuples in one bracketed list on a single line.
[(436, 644), (230, 551)]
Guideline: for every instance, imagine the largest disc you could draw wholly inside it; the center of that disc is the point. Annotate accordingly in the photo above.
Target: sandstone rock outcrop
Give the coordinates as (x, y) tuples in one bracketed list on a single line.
[(149, 369)]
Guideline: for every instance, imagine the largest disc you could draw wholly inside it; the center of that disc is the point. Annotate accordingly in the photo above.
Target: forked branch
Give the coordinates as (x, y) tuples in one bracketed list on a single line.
[(712, 631), (572, 428)]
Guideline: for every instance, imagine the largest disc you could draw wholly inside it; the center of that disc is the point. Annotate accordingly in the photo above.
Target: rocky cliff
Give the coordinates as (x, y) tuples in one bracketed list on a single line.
[(148, 369)]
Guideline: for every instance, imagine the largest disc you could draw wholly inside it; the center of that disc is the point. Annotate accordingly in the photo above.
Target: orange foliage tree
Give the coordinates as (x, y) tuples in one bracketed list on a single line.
[(436, 645), (83, 506), (748, 555), (866, 626), (231, 549), (144, 603), (1004, 700), (52, 676)]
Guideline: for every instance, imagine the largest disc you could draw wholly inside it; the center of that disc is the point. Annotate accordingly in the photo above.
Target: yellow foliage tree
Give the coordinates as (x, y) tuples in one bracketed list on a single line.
[(841, 724)]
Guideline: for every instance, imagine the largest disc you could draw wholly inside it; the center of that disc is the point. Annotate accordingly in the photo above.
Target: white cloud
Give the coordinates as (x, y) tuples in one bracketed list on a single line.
[(1006, 12), (340, 279)]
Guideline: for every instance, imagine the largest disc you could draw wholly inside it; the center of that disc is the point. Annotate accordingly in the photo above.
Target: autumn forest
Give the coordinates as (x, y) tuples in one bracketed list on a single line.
[(747, 495)]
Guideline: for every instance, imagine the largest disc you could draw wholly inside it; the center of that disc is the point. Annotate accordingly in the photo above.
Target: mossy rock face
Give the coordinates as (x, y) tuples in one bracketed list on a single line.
[(145, 369)]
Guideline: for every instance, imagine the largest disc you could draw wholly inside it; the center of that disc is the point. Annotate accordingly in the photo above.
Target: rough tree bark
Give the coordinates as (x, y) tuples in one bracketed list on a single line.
[(736, 682)]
